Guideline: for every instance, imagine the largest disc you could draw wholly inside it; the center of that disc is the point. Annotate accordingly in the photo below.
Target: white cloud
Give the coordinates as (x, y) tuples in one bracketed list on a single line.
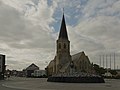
[(98, 32), (26, 33), (21, 37)]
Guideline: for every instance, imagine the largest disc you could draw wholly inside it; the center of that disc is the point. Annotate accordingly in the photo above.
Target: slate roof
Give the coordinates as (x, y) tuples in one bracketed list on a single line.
[(63, 30), (76, 56)]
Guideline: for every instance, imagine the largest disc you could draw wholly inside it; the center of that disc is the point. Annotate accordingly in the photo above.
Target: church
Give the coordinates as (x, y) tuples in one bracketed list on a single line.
[(63, 62)]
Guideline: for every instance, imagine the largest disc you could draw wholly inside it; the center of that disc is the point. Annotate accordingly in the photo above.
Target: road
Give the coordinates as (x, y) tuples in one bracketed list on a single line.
[(6, 88), (17, 83)]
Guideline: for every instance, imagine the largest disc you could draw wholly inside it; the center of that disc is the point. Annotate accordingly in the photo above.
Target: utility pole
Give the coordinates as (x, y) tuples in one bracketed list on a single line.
[(103, 61), (114, 62), (110, 61), (106, 62), (117, 67), (100, 60)]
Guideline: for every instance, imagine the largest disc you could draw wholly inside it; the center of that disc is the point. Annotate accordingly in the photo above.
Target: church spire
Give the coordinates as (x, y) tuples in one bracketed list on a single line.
[(63, 30)]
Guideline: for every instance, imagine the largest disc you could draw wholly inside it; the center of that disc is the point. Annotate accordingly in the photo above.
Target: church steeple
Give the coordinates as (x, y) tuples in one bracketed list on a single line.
[(63, 44), (63, 47), (63, 30)]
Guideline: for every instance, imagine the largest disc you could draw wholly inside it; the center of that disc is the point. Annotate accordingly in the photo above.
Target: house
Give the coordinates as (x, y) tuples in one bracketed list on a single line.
[(30, 69)]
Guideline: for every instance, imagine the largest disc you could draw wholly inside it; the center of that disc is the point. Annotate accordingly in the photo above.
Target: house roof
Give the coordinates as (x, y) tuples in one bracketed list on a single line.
[(32, 67)]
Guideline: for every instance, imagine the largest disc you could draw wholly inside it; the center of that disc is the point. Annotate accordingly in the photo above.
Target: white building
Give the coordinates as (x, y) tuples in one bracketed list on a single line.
[(38, 73)]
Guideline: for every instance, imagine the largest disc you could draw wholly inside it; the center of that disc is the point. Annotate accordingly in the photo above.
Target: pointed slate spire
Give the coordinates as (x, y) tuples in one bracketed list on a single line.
[(63, 30)]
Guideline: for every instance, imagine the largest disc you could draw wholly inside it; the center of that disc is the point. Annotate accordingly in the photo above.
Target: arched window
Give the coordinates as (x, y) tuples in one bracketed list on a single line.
[(59, 46), (64, 46)]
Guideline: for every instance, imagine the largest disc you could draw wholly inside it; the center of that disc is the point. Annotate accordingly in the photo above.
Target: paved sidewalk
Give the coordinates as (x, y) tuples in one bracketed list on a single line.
[(42, 84), (24, 83), (6, 88)]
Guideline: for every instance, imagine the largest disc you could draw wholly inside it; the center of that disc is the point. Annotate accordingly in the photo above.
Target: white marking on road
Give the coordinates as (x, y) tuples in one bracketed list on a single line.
[(14, 87)]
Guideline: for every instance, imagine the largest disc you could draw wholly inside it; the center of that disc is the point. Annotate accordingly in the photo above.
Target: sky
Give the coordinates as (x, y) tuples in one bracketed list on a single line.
[(29, 30)]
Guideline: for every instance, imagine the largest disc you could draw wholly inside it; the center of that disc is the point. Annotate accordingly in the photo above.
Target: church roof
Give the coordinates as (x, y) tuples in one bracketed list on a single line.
[(63, 30), (51, 63), (76, 56), (64, 67)]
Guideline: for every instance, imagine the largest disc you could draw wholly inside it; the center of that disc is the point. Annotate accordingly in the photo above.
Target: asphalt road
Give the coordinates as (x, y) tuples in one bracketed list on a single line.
[(6, 88), (16, 83)]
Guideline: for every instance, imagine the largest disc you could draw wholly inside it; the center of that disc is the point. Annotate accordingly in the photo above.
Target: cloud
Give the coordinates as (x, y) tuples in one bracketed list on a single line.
[(12, 25), (29, 29), (98, 31), (19, 32), (105, 29), (19, 36)]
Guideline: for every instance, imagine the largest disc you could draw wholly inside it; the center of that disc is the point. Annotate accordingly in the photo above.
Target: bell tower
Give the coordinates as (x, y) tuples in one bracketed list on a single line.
[(63, 44), (63, 47)]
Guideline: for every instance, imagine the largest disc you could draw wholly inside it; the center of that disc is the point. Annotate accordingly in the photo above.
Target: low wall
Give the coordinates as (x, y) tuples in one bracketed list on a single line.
[(76, 79)]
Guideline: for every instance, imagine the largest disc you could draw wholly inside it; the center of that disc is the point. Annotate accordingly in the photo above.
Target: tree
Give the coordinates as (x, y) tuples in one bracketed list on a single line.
[(99, 70), (113, 72)]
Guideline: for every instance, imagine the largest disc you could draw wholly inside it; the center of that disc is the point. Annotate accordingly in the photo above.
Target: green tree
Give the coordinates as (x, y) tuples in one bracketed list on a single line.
[(113, 72), (99, 70)]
